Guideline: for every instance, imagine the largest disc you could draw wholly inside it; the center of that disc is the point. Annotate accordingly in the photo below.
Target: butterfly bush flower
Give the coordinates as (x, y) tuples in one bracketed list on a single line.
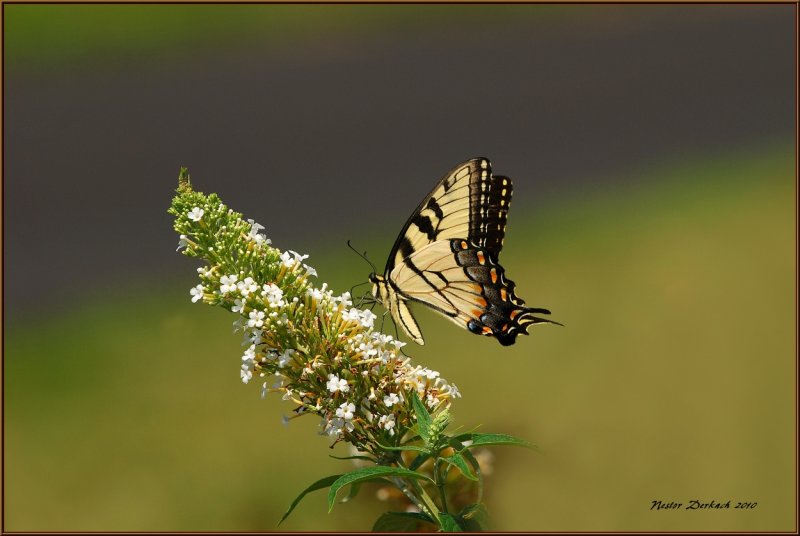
[(324, 355)]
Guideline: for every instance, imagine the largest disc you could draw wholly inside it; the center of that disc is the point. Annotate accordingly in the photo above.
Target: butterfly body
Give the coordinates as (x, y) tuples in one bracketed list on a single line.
[(446, 257)]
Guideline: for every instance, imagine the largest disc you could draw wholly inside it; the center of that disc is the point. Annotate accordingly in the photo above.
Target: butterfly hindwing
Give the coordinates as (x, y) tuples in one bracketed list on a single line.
[(465, 283), (490, 198)]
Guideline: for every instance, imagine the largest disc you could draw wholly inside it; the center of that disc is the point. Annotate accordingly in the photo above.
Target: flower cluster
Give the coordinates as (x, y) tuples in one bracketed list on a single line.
[(302, 341)]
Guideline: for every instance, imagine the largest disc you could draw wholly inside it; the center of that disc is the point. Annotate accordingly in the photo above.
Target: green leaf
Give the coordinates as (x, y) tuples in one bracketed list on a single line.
[(406, 447), (473, 461), (449, 523), (319, 484), (458, 461), (474, 518), (484, 440), (400, 522), (354, 489), (369, 473), (365, 458), (423, 418)]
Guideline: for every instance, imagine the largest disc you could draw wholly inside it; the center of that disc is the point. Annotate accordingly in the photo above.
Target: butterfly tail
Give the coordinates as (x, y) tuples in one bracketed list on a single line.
[(525, 318)]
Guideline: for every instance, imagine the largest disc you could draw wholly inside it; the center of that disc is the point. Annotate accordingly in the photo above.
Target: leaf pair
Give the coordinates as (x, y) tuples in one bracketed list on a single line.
[(353, 478)]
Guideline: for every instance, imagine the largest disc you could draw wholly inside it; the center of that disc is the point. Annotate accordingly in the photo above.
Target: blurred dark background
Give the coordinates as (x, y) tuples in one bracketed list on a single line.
[(652, 152)]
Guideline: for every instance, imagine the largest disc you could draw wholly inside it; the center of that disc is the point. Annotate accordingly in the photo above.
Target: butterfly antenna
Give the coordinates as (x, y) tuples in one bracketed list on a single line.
[(363, 256)]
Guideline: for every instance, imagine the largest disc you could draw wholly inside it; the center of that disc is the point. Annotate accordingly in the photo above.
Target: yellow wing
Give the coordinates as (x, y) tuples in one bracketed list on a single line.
[(446, 257), (465, 284), (468, 203)]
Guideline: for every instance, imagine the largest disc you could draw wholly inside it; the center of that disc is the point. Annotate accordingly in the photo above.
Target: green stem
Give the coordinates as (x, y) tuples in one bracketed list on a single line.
[(440, 479), (426, 499)]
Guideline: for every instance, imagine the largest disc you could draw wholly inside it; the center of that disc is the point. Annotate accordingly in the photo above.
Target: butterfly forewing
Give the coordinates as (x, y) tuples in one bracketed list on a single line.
[(446, 212)]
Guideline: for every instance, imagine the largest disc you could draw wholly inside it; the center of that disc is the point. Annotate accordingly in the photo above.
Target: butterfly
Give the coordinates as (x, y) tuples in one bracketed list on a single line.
[(446, 257)]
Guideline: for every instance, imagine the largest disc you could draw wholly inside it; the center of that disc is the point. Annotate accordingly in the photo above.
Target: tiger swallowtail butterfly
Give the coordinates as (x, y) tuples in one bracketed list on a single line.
[(446, 257)]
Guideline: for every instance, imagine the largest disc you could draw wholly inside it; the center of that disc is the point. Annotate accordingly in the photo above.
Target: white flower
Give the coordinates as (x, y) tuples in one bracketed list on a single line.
[(254, 227), (197, 293), (428, 373), (315, 293), (337, 426), (298, 257), (367, 318), (256, 319), (254, 337), (247, 286), (183, 242), (337, 384), (367, 349), (344, 299), (250, 354), (453, 390), (246, 373), (285, 357), (387, 422), (354, 315), (228, 283), (431, 400), (346, 411), (391, 400), (287, 259), (238, 306), (290, 258), (274, 295), (310, 270), (196, 213), (255, 235)]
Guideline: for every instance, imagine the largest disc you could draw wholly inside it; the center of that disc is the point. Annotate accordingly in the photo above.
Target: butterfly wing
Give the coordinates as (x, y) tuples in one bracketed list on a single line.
[(396, 305), (446, 257), (467, 285), (468, 203)]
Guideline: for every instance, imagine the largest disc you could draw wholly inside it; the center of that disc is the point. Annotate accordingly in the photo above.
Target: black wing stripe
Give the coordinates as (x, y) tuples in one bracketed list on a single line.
[(425, 225), (413, 267)]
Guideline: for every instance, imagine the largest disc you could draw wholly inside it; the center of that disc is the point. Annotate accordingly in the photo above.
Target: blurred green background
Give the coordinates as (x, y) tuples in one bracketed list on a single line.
[(666, 248)]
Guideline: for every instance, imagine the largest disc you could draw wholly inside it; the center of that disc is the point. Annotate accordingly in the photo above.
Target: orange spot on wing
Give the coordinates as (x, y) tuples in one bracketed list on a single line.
[(480, 301), (464, 244), (481, 258), (477, 313), (487, 330), (503, 294), (493, 273), (514, 314)]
